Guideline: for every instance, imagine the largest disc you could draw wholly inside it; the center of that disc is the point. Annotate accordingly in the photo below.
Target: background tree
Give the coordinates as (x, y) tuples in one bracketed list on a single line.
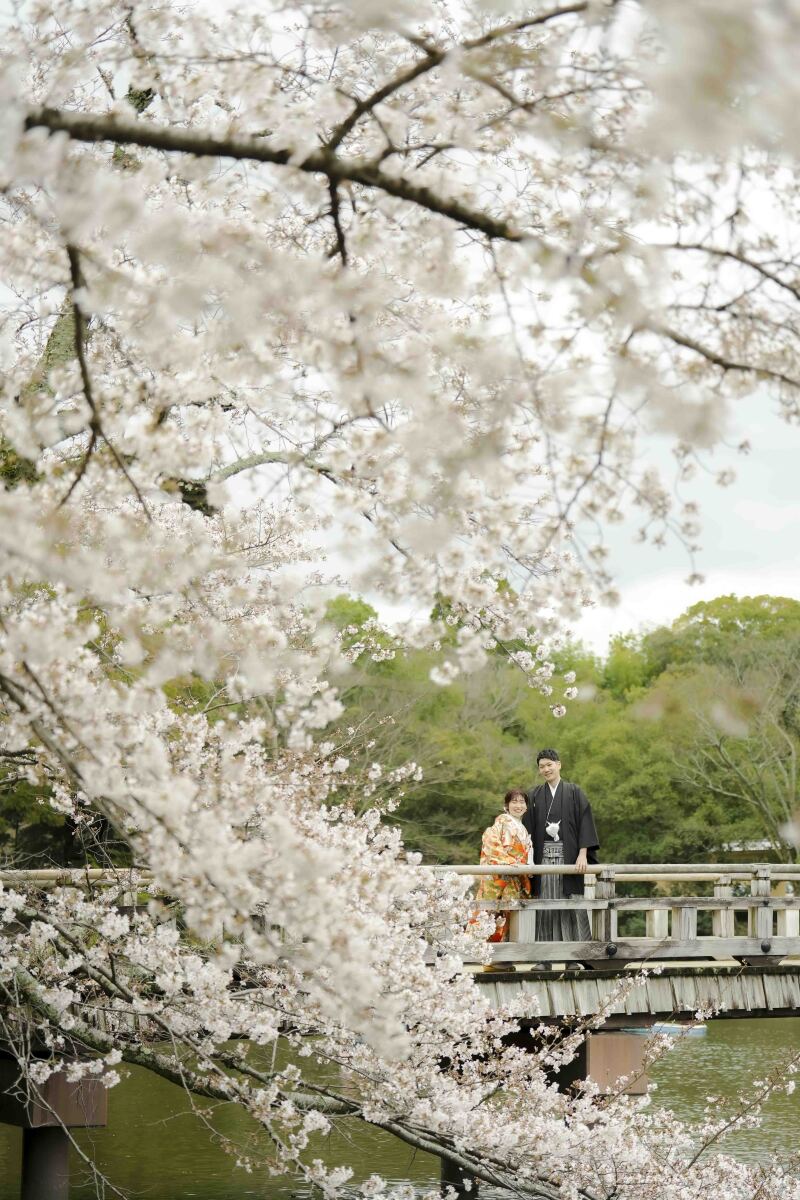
[(745, 737), (715, 630)]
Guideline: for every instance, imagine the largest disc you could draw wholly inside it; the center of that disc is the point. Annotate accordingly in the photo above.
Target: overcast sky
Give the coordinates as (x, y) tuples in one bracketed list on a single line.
[(750, 539)]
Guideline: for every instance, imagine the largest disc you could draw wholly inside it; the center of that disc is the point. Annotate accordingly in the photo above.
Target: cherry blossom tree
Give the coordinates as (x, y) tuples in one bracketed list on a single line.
[(311, 294)]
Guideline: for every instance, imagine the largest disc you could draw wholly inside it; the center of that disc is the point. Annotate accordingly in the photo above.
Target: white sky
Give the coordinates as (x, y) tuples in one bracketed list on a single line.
[(750, 540)]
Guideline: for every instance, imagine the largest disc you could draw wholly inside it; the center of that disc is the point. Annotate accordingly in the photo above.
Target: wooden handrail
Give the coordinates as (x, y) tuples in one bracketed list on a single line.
[(76, 875), (624, 872), (636, 872)]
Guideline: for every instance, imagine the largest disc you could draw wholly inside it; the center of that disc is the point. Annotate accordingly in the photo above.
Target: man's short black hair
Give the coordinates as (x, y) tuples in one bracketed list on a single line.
[(551, 754)]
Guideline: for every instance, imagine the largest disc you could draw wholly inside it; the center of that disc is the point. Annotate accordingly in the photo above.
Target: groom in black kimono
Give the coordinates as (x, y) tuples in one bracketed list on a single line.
[(555, 798)]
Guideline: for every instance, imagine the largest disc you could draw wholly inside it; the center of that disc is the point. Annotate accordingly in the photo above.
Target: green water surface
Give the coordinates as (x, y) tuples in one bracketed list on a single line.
[(156, 1149)]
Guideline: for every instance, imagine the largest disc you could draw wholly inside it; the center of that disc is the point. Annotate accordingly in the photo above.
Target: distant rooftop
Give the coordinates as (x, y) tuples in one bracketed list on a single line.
[(740, 847)]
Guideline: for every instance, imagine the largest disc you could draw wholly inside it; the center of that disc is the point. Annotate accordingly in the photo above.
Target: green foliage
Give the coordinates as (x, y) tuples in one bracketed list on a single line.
[(30, 830), (59, 349), (626, 668), (630, 740), (14, 468), (708, 631), (140, 98), (344, 610)]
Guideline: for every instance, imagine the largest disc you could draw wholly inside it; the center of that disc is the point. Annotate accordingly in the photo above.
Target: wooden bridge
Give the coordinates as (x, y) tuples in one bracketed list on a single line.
[(731, 951), (734, 950)]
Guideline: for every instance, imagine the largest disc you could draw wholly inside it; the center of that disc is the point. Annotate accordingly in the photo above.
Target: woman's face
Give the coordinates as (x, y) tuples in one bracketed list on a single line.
[(517, 807)]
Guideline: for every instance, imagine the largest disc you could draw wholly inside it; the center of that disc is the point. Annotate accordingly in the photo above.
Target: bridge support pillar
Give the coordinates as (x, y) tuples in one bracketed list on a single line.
[(45, 1114), (606, 1058), (45, 1164)]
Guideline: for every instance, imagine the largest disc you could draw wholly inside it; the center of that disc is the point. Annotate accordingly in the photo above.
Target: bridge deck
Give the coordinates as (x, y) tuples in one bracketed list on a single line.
[(678, 992)]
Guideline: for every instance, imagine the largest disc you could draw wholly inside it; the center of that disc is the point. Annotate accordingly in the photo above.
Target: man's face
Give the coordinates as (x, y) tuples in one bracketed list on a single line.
[(550, 769)]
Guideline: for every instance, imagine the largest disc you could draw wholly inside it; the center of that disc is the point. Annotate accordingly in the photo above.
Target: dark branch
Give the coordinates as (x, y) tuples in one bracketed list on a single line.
[(544, 18), (432, 59), (719, 360), (96, 431), (93, 129), (341, 244), (720, 252)]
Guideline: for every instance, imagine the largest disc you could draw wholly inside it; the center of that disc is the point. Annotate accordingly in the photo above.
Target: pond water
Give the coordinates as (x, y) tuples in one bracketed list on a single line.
[(154, 1149)]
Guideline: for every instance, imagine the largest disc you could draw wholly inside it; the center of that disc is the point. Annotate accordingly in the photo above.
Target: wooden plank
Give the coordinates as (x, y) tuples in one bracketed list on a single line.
[(753, 988), (637, 1000), (603, 929), (683, 993), (760, 886), (562, 997), (576, 902), (657, 995), (655, 870), (781, 991), (588, 998), (541, 990), (788, 921), (507, 991), (763, 924), (723, 919), (750, 990), (735, 903), (606, 988), (708, 993), (637, 949), (667, 970), (489, 989)]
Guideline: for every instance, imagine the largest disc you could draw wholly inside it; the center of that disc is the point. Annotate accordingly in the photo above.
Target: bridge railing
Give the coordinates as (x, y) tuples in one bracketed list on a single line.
[(748, 921)]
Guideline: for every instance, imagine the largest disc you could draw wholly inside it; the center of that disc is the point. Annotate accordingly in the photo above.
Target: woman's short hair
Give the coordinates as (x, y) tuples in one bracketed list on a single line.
[(509, 796)]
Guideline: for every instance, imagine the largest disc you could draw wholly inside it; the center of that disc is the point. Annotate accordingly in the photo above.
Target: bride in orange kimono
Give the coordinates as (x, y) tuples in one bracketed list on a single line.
[(506, 843)]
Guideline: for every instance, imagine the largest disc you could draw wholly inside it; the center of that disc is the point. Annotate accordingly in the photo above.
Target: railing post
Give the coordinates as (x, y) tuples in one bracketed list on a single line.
[(656, 923), (759, 920), (788, 920), (684, 924), (522, 925), (45, 1164), (457, 1178), (723, 920), (604, 920)]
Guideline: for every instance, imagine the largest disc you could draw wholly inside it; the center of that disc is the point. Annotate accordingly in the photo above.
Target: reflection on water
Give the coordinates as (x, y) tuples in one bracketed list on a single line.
[(154, 1150)]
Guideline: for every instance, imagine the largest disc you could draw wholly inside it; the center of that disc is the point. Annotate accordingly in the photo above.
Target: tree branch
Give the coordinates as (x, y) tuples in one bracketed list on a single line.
[(720, 252), (93, 129), (362, 107), (725, 364), (96, 430)]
